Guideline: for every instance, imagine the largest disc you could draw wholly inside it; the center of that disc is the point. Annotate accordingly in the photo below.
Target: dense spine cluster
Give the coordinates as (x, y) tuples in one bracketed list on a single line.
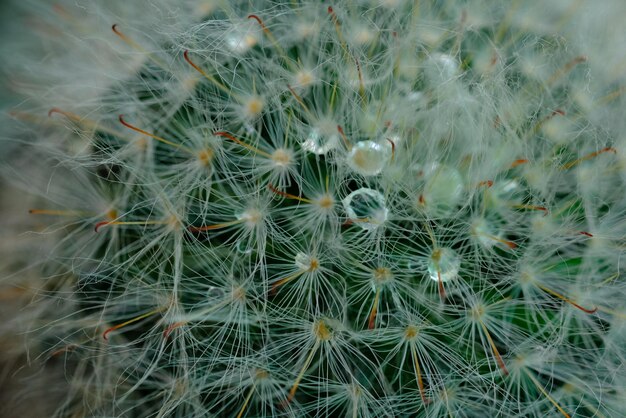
[(370, 208)]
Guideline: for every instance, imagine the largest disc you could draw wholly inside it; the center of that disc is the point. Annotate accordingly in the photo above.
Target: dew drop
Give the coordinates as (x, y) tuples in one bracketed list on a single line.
[(444, 264), (503, 194), (366, 208), (509, 187), (484, 234), (321, 139), (215, 293), (244, 248), (441, 68), (242, 39), (416, 97), (443, 190), (368, 158)]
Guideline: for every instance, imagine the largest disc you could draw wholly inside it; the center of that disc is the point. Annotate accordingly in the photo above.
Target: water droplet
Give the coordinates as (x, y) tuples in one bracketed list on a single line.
[(241, 39), (215, 293), (443, 190), (250, 130), (502, 195), (444, 264), (321, 140), (415, 97), (244, 247), (368, 158), (370, 120), (366, 208), (441, 68), (509, 186), (484, 234)]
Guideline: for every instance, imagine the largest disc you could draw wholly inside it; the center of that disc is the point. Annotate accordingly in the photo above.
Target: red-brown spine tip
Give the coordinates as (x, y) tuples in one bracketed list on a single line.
[(275, 190), (590, 311), (105, 334), (519, 162), (223, 134), (442, 290), (273, 291), (190, 62), (577, 306), (66, 349), (344, 137), (494, 59), (205, 228), (393, 148), (171, 328), (259, 21), (371, 324), (502, 366), (100, 225), (510, 244)]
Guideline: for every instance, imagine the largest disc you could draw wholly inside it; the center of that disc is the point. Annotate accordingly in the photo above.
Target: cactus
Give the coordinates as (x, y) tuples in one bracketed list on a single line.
[(377, 208)]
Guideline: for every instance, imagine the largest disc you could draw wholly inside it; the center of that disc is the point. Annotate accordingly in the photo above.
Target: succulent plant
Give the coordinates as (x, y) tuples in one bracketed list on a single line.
[(370, 208)]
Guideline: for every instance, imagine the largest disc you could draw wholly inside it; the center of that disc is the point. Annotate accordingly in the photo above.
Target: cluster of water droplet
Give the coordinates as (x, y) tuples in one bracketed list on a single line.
[(258, 259)]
